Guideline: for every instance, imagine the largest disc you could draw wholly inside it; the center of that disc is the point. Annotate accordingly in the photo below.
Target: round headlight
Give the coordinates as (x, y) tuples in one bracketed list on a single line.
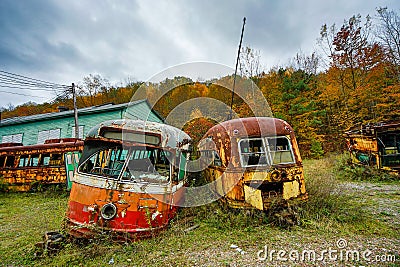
[(275, 176), (108, 211)]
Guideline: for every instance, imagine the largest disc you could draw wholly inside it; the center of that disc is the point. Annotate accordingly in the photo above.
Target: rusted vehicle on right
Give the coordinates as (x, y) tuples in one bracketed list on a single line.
[(375, 145), (252, 162)]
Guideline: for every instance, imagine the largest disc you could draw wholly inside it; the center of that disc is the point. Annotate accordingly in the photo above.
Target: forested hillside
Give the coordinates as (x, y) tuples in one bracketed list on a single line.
[(356, 81)]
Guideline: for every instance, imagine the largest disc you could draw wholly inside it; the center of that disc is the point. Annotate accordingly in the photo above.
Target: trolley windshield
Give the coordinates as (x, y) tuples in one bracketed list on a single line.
[(265, 151), (135, 164)]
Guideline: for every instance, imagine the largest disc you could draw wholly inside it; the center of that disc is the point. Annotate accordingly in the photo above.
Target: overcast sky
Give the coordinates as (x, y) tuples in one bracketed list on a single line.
[(64, 41)]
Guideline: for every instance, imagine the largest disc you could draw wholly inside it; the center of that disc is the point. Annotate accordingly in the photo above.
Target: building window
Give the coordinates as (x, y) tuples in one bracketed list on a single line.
[(48, 134), (13, 138), (80, 132)]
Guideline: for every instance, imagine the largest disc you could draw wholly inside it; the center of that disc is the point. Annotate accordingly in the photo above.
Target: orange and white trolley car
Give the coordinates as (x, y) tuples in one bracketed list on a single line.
[(130, 179)]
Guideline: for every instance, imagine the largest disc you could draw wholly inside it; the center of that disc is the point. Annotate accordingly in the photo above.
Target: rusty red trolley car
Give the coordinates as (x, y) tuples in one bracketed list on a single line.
[(253, 161), (376, 145)]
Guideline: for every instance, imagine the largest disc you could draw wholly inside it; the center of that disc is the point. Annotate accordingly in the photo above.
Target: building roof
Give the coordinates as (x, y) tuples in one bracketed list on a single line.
[(70, 113)]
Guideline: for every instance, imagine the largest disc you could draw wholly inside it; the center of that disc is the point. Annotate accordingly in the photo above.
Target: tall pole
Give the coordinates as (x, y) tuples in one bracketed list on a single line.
[(75, 111), (237, 63)]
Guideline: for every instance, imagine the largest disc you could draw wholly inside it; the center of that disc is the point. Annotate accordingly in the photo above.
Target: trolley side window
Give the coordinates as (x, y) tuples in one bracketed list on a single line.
[(2, 161), (389, 146), (252, 152), (10, 161), (34, 160), (210, 158), (28, 161), (180, 168), (45, 161), (23, 161), (56, 160)]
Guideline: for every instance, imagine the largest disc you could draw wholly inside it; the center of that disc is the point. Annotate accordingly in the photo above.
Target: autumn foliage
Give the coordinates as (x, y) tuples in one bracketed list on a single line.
[(360, 85)]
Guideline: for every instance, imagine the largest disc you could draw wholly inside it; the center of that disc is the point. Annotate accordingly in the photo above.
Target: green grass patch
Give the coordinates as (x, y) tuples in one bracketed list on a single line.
[(24, 219), (330, 207)]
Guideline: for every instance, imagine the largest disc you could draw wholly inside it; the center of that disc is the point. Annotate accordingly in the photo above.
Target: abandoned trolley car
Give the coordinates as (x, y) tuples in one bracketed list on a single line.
[(253, 161), (375, 145), (23, 168), (130, 179)]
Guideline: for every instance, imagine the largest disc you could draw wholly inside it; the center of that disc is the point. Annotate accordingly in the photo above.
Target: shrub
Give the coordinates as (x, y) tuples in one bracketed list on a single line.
[(316, 151), (353, 172), (325, 198)]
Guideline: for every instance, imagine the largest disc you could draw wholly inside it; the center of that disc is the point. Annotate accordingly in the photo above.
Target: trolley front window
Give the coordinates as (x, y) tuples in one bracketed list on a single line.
[(265, 151), (253, 152), (130, 164), (108, 162)]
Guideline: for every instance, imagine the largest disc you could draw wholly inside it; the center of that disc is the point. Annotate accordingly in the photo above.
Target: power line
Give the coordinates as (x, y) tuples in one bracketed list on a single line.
[(27, 88), (14, 93), (29, 84), (21, 77), (25, 80), (14, 82), (19, 82)]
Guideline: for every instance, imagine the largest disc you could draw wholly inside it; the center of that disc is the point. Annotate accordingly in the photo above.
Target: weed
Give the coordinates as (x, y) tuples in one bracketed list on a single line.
[(282, 214), (352, 172), (325, 200), (4, 186)]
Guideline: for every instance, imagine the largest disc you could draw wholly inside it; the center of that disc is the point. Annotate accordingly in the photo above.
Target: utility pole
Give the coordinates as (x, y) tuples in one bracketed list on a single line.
[(237, 63), (75, 111)]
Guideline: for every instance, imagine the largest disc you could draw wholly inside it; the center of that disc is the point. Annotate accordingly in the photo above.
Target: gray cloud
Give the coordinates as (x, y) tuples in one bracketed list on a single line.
[(62, 41)]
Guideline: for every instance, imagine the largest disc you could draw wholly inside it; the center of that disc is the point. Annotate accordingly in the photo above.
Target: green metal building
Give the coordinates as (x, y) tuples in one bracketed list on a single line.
[(35, 129)]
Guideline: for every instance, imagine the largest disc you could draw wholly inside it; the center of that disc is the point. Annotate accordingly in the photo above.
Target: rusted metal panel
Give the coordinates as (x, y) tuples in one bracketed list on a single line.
[(253, 196), (375, 145), (276, 173)]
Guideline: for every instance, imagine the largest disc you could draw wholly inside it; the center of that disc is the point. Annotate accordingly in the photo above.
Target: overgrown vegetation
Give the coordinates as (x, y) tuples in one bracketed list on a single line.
[(348, 171), (3, 185), (326, 203), (332, 212)]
